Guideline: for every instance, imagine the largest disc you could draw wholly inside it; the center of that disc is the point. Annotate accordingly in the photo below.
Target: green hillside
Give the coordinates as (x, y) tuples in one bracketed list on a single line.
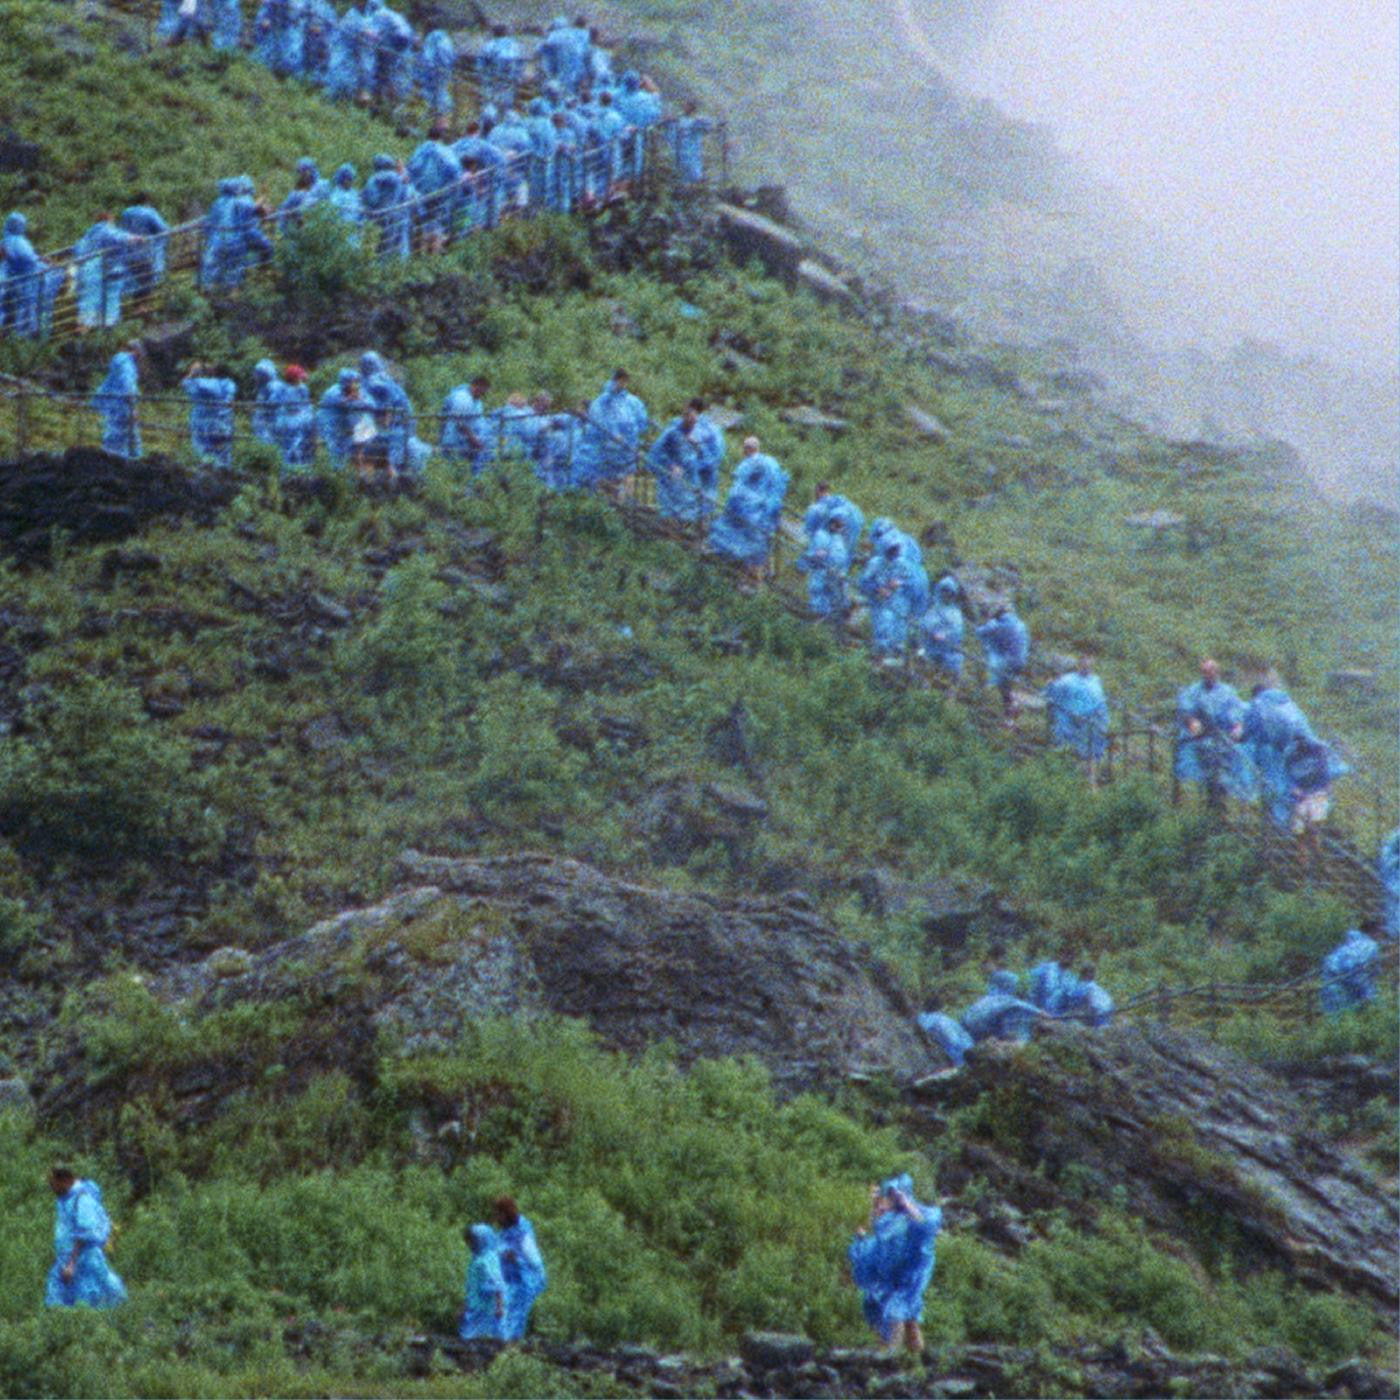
[(224, 733)]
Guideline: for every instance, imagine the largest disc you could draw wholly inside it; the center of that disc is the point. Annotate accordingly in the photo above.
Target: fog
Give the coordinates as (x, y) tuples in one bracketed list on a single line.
[(1259, 137)]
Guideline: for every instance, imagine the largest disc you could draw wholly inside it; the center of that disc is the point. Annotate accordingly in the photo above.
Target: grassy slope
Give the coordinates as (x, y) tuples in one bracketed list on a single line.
[(453, 704)]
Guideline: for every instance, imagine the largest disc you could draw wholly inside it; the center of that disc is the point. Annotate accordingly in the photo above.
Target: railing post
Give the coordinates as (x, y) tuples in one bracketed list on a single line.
[(22, 422)]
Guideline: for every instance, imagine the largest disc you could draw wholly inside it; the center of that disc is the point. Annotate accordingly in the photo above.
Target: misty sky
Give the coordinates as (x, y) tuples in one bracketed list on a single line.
[(1263, 133)]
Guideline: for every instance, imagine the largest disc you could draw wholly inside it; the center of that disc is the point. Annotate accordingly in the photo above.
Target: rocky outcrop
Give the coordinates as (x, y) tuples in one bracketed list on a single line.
[(1190, 1132)]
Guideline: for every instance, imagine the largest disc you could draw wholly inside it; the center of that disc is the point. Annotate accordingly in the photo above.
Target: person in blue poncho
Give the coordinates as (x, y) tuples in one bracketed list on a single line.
[(116, 399), (638, 103), (500, 66), (1078, 713), (344, 198), (564, 176), (436, 173), (826, 503), (102, 266), (826, 561), (279, 30), (1309, 767), (484, 1313), (345, 421), (685, 461), (1051, 984), (398, 425), (233, 236), (1388, 868), (23, 284), (612, 439), (1006, 644), (466, 434), (81, 1275), (744, 530), (350, 69), (1001, 1014), (267, 396), (388, 202), (1082, 999), (146, 256), (942, 627), (894, 588), (308, 189), (522, 1266), (432, 72), (560, 57), (392, 67), (226, 27), (1349, 973), (892, 1261), (211, 393), (883, 531), (555, 441), (1271, 725), (1209, 726), (321, 20), (687, 140)]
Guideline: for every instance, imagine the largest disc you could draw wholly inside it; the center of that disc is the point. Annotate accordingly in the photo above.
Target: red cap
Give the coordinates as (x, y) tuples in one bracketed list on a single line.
[(295, 373)]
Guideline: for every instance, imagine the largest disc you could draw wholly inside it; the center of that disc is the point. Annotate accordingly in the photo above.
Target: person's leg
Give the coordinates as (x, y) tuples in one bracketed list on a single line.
[(913, 1338)]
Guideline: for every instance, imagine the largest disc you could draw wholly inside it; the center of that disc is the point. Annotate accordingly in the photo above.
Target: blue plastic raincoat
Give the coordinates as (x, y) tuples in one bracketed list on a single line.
[(433, 72), (687, 139), (951, 1037), (279, 31), (523, 1268), (233, 239), (686, 468), (345, 425), (744, 529), (1006, 644), (942, 628), (484, 1314), (893, 1264), (466, 430), (826, 561), (211, 419), (23, 283), (80, 1220), (116, 399), (613, 437), (1388, 867), (1349, 973), (388, 201), (102, 265), (1211, 756), (1078, 714), (146, 256), (823, 509), (436, 173)]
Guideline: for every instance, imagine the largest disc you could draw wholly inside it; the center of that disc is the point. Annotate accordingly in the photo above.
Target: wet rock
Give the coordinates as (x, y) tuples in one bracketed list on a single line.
[(749, 234), (681, 816), (805, 416), (824, 284), (925, 424), (766, 1351)]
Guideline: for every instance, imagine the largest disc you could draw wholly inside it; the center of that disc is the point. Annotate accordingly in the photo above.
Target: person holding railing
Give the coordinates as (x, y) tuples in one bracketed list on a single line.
[(101, 269), (687, 139), (432, 72), (211, 394), (1078, 713), (466, 435), (1006, 645), (554, 444), (436, 173), (511, 137), (1271, 723), (309, 189), (638, 103), (1210, 725), (345, 200), (388, 201), (744, 530), (685, 460), (539, 124), (116, 400), (403, 450), (145, 257), (295, 426), (233, 235), (942, 627), (612, 438), (480, 204), (345, 421)]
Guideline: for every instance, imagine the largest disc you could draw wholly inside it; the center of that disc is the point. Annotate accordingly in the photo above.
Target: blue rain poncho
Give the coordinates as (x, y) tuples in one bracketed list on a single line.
[(744, 529), (80, 1222), (294, 426), (686, 467), (826, 561), (433, 72), (311, 189), (1349, 973), (436, 173), (893, 1264), (1388, 868), (894, 589), (511, 137), (612, 439), (560, 56), (181, 20), (1272, 722), (211, 418), (266, 399), (883, 531), (484, 1314), (344, 421), (146, 256), (1051, 984), (639, 109), (321, 20), (233, 239), (554, 448), (279, 35), (1078, 711), (951, 1037), (394, 38), (602, 163), (821, 511), (1006, 644), (116, 400), (941, 628), (101, 265), (226, 28), (388, 202), (486, 189), (23, 283), (525, 1275), (466, 431), (687, 140), (1211, 755), (344, 198), (350, 69), (398, 425), (1000, 1014), (500, 66), (1087, 1002)]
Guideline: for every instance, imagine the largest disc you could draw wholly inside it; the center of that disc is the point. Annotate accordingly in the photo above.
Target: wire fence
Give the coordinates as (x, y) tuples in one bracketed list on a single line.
[(74, 290)]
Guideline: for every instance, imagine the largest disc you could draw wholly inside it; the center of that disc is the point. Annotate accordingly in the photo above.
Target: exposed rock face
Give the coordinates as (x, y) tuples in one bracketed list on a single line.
[(91, 495), (1191, 1131)]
